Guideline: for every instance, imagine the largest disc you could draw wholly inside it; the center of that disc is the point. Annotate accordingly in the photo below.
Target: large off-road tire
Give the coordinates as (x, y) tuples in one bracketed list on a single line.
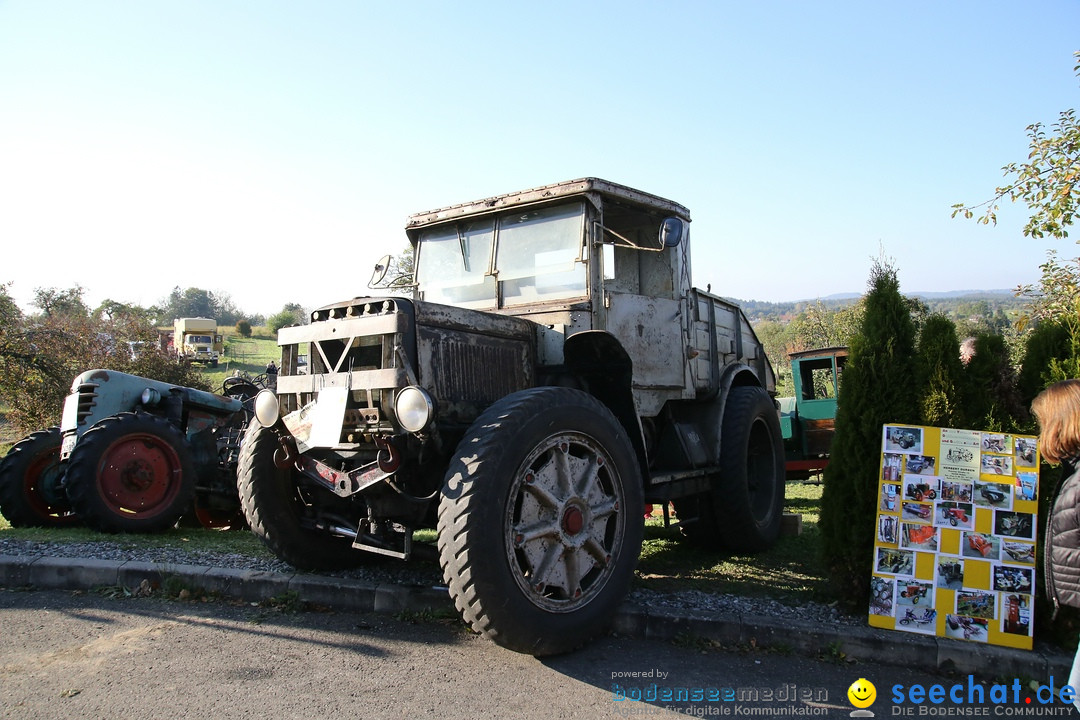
[(131, 472), (30, 490), (540, 521), (743, 508), (274, 507)]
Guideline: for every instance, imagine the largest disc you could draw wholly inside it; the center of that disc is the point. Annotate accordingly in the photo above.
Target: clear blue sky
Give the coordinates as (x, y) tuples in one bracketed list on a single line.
[(272, 150)]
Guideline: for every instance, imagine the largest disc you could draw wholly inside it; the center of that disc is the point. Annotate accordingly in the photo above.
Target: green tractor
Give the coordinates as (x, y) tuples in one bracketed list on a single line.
[(131, 455)]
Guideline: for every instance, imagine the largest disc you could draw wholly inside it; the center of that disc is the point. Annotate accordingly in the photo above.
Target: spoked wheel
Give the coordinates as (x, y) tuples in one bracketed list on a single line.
[(131, 472), (540, 523), (30, 483)]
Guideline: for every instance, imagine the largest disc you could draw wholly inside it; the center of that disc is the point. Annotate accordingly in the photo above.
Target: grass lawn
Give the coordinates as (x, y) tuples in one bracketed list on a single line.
[(791, 569), (247, 355)]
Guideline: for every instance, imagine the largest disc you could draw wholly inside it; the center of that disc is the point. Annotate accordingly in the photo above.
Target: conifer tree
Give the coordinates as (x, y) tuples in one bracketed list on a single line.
[(1048, 344), (878, 387), (939, 374), (991, 399)]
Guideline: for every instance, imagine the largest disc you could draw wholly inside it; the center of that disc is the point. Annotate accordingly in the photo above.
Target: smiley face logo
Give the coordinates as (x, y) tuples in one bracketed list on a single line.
[(862, 693)]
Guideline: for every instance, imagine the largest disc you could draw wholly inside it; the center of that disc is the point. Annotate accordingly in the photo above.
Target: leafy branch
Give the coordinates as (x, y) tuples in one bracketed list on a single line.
[(1048, 183)]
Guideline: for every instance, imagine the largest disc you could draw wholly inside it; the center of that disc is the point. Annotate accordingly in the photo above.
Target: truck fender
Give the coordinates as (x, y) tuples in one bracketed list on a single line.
[(599, 362)]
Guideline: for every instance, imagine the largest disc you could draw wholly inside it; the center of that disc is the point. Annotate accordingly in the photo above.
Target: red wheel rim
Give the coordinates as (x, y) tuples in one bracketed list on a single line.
[(139, 474), (44, 471)]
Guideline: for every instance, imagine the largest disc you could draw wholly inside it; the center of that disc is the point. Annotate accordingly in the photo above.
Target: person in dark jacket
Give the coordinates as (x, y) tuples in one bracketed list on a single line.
[(271, 375), (1057, 409)]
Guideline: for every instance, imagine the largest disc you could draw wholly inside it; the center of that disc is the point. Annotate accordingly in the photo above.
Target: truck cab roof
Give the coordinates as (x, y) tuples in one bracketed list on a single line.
[(595, 189)]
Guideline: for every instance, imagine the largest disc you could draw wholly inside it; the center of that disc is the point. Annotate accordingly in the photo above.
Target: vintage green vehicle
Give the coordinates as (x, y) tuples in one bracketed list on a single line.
[(808, 420), (131, 455)]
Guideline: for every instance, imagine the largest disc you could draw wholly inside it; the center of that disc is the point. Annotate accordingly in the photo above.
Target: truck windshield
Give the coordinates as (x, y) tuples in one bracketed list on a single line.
[(454, 263), (538, 257), (197, 340)]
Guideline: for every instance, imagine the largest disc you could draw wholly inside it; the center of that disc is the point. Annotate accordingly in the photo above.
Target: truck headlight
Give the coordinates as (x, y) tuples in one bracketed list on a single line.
[(267, 408), (414, 408), (150, 397)]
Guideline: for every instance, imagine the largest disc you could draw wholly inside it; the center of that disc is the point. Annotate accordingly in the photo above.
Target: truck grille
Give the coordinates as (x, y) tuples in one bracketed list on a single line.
[(87, 399), (478, 372)]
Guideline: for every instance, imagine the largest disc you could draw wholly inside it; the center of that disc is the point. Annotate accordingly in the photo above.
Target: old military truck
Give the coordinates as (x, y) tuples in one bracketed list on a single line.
[(552, 371), (197, 340)]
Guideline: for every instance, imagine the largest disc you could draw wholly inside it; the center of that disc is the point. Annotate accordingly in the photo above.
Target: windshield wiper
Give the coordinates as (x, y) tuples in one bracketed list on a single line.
[(464, 251)]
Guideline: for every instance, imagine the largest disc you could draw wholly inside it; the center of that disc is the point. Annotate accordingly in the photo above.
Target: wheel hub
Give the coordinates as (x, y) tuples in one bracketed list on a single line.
[(137, 476), (573, 520)]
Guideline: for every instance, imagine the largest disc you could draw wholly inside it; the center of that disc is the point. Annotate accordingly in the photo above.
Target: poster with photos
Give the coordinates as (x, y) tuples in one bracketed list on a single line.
[(954, 552)]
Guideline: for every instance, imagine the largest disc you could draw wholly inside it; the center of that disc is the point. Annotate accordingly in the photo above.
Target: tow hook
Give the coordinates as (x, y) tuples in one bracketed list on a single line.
[(389, 458), (285, 455)]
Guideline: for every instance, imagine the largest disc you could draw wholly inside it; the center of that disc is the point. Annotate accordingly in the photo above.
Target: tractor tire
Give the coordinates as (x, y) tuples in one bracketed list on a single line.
[(131, 472), (742, 510), (31, 494), (540, 522), (274, 508)]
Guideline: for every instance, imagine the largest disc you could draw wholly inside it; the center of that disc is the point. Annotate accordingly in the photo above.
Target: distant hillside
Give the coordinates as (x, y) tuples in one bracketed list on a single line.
[(965, 294), (947, 294), (957, 304)]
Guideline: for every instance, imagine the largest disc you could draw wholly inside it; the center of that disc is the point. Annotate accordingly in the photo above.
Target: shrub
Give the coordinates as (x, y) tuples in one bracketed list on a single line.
[(877, 388), (990, 393), (939, 374), (1048, 342)]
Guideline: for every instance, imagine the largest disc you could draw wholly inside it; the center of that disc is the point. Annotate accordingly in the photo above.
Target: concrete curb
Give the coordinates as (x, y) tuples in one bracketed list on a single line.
[(855, 642)]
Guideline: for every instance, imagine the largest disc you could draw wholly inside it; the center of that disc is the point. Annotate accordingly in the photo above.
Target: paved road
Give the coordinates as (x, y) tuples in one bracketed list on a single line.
[(84, 655)]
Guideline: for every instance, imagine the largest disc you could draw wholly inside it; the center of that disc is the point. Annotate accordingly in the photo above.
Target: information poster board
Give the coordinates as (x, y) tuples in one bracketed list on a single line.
[(954, 552)]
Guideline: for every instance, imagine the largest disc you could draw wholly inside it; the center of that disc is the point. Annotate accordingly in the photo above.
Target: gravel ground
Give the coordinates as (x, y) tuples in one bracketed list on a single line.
[(423, 572)]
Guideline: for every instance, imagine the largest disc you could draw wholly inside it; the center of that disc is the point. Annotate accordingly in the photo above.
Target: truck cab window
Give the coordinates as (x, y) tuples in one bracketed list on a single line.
[(453, 263), (539, 255)]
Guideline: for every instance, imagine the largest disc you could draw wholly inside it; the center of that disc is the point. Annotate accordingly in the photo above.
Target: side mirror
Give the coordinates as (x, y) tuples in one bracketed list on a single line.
[(672, 230), (380, 271)]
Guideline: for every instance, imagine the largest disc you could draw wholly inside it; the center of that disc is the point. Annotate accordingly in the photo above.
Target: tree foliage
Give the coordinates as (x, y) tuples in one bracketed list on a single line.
[(1047, 349), (819, 327), (1057, 301), (816, 326), (291, 314), (41, 354), (877, 388), (114, 311), (990, 395), (197, 302), (55, 303), (399, 275), (1048, 183)]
